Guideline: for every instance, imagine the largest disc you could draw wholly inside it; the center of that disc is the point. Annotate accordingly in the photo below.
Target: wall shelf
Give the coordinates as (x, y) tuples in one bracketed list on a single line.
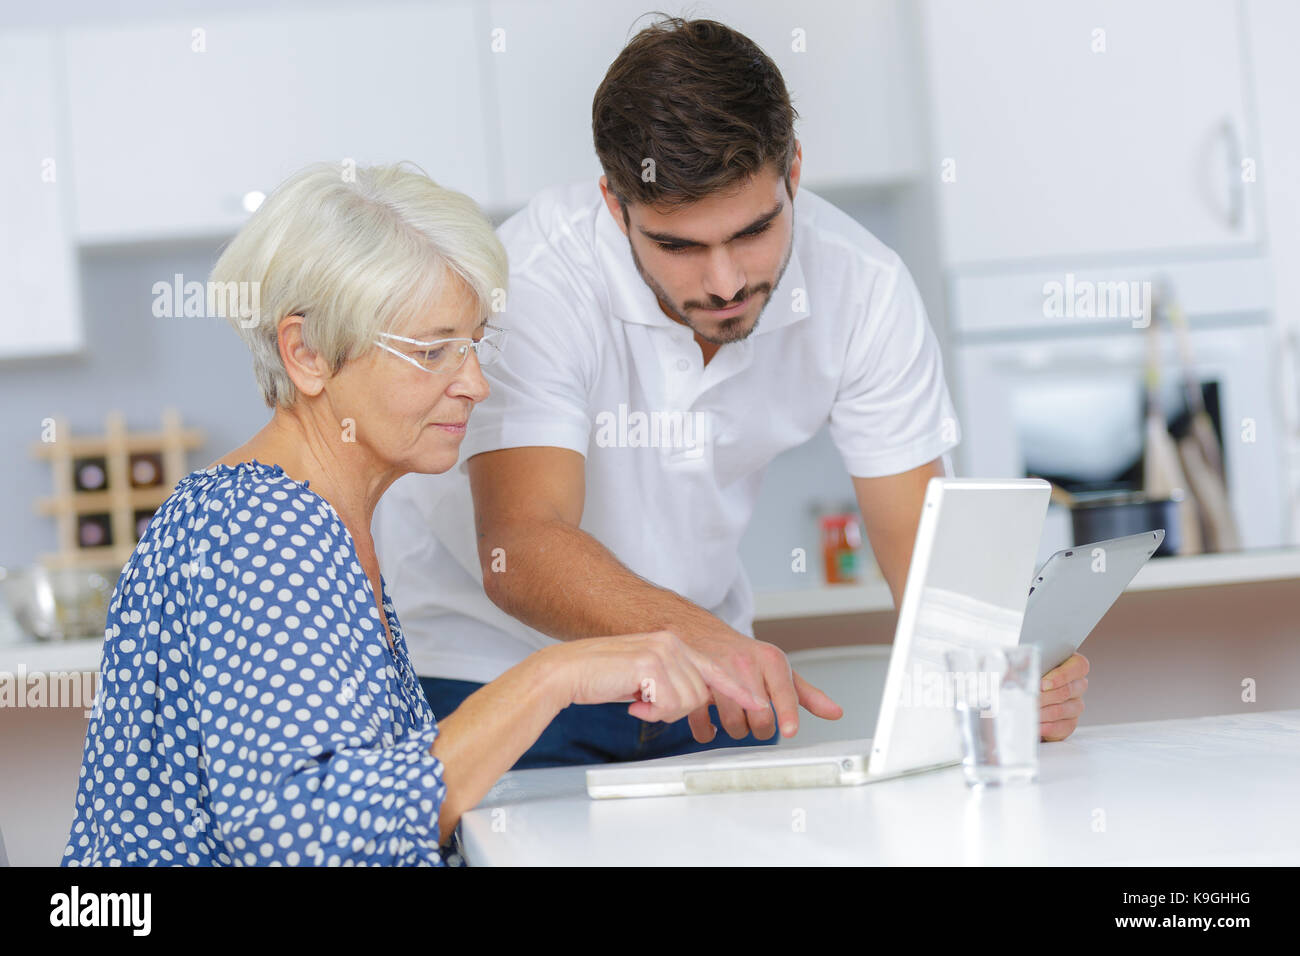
[(1202, 570), (52, 657)]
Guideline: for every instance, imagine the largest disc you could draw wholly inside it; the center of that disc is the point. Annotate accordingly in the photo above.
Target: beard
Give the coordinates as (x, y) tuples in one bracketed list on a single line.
[(729, 330)]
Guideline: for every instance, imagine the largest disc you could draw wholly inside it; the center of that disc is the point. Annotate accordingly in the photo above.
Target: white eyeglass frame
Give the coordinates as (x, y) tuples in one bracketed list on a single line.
[(497, 339)]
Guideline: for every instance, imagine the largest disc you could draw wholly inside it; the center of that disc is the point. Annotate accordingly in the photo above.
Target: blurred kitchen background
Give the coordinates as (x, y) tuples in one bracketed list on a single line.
[(1000, 147), (1035, 164)]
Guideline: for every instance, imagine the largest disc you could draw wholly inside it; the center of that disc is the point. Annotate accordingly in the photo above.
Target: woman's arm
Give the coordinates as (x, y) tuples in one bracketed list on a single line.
[(480, 740), (492, 728), (290, 701)]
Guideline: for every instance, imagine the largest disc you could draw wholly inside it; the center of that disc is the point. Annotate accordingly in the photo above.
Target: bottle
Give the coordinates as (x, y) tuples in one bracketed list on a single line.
[(146, 470), (90, 474), (841, 546)]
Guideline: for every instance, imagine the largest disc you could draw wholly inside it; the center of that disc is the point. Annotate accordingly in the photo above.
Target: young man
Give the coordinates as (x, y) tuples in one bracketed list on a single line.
[(671, 332)]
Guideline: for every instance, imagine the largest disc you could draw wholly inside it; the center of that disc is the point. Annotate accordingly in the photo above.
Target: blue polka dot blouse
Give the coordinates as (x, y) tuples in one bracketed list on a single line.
[(250, 709)]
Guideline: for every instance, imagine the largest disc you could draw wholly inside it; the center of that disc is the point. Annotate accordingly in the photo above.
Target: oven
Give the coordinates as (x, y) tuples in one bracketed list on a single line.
[(1061, 392)]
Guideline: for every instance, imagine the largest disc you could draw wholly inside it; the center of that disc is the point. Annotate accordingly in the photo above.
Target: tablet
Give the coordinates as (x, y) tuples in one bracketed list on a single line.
[(1075, 588)]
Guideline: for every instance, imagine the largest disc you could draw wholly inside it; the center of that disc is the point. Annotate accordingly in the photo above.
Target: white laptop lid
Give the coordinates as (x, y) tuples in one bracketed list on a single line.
[(975, 548), (976, 544)]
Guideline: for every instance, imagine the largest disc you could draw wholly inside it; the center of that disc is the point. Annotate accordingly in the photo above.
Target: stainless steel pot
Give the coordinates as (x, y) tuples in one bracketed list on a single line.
[(1116, 515)]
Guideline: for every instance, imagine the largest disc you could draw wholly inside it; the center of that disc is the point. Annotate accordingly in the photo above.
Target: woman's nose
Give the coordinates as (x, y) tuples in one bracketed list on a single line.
[(470, 381)]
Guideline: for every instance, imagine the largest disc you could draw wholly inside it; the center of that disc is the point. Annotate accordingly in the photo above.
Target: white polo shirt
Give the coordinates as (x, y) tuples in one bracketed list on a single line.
[(675, 449)]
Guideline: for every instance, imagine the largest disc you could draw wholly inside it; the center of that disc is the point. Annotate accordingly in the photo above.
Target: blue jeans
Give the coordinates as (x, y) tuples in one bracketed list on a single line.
[(594, 733)]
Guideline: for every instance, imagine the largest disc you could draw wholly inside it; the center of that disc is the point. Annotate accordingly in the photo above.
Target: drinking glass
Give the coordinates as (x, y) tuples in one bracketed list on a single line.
[(996, 705)]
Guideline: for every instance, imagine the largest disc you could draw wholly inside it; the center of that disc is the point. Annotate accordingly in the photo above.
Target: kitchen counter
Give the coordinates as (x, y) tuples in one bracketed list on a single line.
[(49, 657), (1164, 574)]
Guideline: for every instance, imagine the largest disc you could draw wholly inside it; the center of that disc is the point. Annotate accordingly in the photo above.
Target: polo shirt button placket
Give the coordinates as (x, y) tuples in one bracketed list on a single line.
[(680, 391)]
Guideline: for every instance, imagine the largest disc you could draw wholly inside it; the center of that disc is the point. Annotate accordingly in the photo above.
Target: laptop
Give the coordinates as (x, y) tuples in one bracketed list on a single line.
[(976, 545)]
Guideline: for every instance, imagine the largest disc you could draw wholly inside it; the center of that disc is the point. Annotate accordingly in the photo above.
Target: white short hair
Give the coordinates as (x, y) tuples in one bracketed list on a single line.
[(354, 251)]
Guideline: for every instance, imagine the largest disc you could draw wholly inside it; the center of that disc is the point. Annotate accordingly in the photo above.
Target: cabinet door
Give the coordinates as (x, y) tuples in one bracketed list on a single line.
[(1070, 128), (174, 124), (544, 60), (846, 66), (1272, 27), (39, 301), (849, 69)]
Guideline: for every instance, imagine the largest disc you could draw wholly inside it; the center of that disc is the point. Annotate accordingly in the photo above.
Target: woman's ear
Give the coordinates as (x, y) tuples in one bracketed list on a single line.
[(307, 370)]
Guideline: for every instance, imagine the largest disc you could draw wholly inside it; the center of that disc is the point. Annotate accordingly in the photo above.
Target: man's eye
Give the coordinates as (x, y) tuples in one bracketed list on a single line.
[(667, 247)]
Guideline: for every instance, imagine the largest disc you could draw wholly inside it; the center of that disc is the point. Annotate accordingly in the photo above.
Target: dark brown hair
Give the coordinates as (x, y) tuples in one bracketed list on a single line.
[(702, 101)]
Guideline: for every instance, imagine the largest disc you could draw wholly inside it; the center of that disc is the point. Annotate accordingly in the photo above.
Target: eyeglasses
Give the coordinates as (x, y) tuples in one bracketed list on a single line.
[(446, 356)]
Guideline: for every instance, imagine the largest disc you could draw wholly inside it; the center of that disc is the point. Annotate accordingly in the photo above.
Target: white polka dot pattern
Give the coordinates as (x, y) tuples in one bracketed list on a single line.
[(250, 709)]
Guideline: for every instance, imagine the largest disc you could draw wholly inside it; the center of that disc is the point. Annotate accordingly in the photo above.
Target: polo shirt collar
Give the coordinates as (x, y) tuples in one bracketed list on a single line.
[(631, 300)]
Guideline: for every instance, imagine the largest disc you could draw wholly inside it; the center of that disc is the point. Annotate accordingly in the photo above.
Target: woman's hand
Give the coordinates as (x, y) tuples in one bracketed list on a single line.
[(662, 677)]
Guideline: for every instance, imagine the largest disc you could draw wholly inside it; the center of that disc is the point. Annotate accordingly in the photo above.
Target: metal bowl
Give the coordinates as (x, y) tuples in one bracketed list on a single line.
[(58, 604)]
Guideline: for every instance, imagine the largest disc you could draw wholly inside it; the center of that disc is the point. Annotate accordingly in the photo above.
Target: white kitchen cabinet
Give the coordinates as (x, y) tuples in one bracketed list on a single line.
[(543, 61), (1272, 28), (849, 68), (173, 124), (1071, 129), (39, 297), (851, 83)]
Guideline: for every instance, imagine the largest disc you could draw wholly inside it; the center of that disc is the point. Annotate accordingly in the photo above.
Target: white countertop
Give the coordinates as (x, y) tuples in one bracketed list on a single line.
[(51, 657), (1206, 790), (1201, 570)]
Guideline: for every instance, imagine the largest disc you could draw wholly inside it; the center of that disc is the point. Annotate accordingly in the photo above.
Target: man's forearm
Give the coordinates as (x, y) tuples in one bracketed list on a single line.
[(891, 509), (563, 582)]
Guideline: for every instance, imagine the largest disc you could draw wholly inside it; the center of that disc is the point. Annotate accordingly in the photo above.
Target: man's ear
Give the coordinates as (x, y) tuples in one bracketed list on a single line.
[(307, 370), (796, 167), (613, 205)]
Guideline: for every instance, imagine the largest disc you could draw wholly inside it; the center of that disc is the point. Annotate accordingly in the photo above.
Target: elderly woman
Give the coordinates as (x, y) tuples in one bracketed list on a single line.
[(257, 704)]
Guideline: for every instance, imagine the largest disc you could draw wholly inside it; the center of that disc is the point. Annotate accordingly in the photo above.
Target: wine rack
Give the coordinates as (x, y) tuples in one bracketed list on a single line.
[(106, 489)]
